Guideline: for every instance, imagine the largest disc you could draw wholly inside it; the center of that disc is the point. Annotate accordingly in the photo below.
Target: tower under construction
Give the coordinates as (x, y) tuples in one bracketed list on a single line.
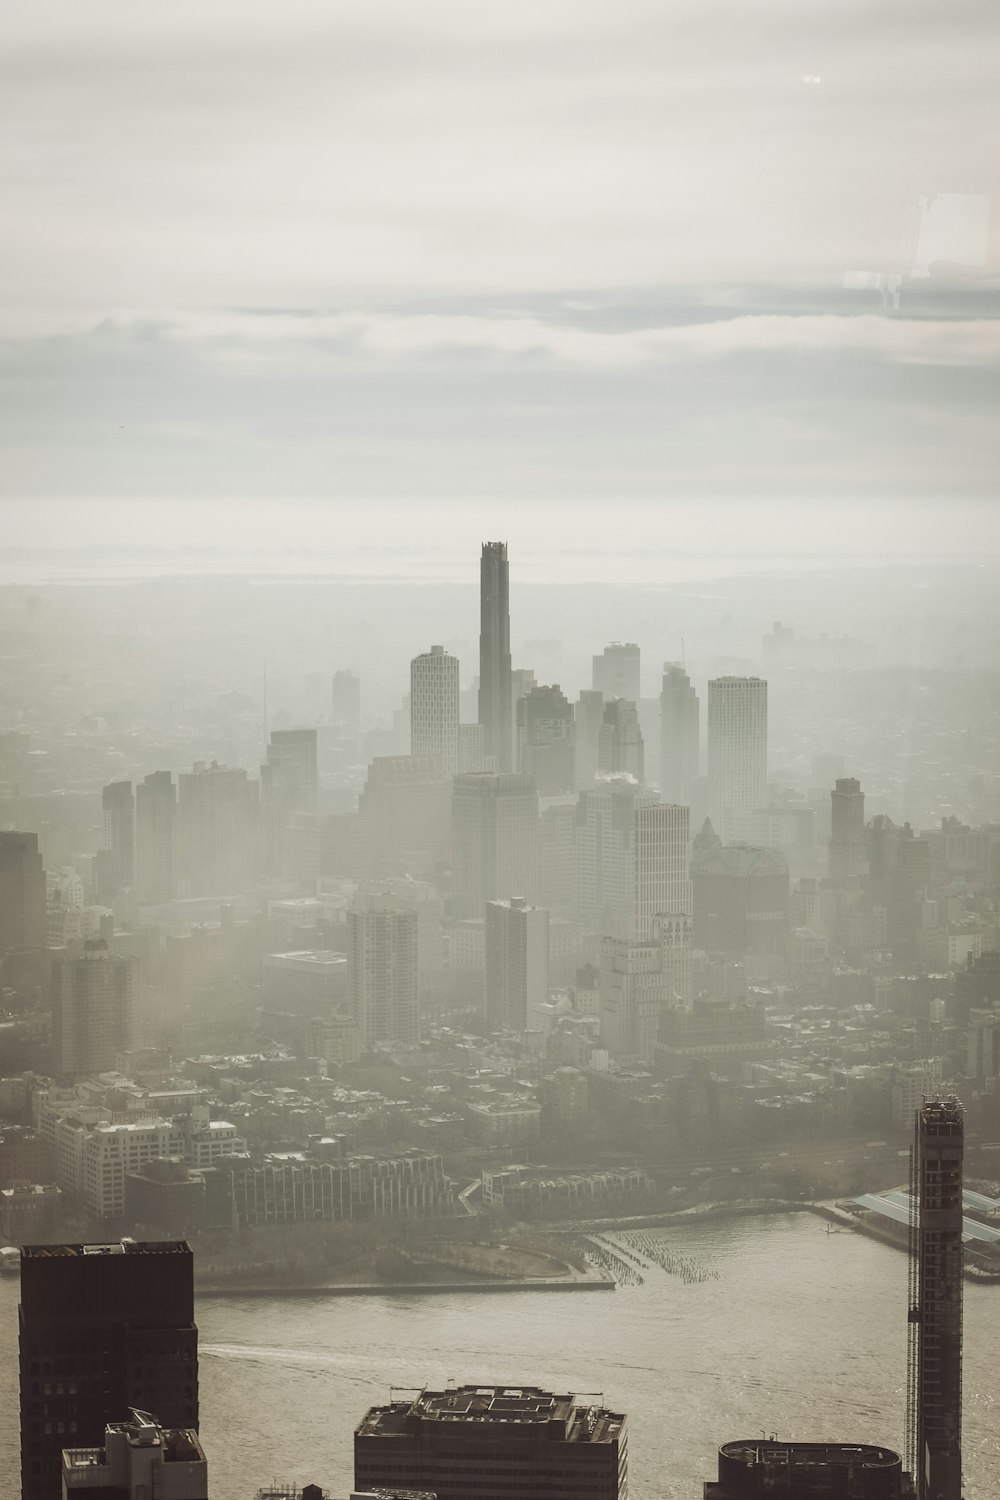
[(934, 1363)]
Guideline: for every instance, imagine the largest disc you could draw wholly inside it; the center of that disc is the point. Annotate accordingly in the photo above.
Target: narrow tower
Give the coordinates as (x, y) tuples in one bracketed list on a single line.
[(934, 1364), (495, 701)]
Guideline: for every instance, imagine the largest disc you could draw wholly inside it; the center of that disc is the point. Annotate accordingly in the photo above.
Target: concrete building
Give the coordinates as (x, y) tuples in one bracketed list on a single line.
[(289, 784), (23, 920), (139, 1459), (155, 839), (118, 836), (848, 854), (539, 1446), (103, 1329), (741, 896), (403, 815), (737, 749), (218, 809), (496, 701), (631, 860), (620, 750), (383, 981), (495, 832), (434, 700), (92, 1009), (808, 1471), (545, 740), (588, 715), (680, 735), (516, 964), (616, 672)]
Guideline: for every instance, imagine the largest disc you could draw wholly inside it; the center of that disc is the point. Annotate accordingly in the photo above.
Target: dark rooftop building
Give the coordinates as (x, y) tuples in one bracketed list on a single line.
[(799, 1471), (535, 1444)]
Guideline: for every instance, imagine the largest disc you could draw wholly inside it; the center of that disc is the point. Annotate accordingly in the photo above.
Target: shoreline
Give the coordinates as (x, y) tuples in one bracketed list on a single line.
[(599, 1282)]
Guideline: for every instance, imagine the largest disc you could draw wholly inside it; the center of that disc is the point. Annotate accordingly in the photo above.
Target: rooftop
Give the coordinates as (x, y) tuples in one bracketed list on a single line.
[(510, 1406)]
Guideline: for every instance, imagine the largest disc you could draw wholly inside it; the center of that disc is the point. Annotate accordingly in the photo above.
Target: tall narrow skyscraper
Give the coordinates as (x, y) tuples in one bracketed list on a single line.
[(620, 750), (155, 839), (737, 750), (23, 922), (495, 693), (92, 1009), (848, 850), (289, 784), (679, 734), (434, 701), (516, 950), (616, 671), (118, 815), (382, 970)]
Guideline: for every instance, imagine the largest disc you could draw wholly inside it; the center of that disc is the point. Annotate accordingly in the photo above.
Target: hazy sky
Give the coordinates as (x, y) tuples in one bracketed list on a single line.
[(356, 249)]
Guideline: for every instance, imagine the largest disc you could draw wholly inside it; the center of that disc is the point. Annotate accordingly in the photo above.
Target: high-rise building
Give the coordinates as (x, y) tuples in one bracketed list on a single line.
[(495, 851), (217, 830), (346, 701), (620, 749), (640, 982), (495, 692), (737, 749), (545, 739), (516, 952), (751, 1467), (434, 715), (589, 716), (631, 860), (934, 1373), (741, 896), (404, 815), (155, 839), (103, 1329), (537, 1446), (23, 919), (383, 971), (137, 1460), (118, 836), (848, 853), (679, 735), (289, 784), (616, 671), (92, 1009)]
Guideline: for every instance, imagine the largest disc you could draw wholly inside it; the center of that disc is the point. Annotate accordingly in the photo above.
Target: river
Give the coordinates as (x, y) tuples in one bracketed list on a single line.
[(798, 1332)]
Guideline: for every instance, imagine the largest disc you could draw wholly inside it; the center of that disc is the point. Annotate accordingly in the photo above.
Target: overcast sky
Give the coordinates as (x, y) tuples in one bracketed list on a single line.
[(363, 249)]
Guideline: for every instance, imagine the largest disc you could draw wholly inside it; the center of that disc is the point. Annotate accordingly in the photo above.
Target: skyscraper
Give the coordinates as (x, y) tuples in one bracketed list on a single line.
[(346, 701), (103, 1328), (23, 920), (382, 970), (737, 749), (217, 830), (289, 784), (118, 810), (516, 953), (155, 839), (631, 860), (620, 749), (934, 1377), (679, 734), (545, 739), (495, 693), (848, 850), (495, 833), (92, 1009), (616, 671), (434, 711), (589, 716)]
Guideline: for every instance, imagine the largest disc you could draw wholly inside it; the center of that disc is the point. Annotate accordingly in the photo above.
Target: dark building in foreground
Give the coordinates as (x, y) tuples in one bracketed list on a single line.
[(510, 1441), (799, 1471), (103, 1329)]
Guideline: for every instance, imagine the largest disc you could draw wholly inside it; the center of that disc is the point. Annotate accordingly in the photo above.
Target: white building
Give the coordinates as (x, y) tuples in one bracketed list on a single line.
[(516, 983), (631, 860), (737, 750), (139, 1459), (434, 707)]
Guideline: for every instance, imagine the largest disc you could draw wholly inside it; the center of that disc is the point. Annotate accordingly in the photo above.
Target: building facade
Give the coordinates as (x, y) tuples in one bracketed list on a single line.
[(516, 964), (496, 702), (434, 707), (737, 749), (495, 841), (680, 735), (382, 968)]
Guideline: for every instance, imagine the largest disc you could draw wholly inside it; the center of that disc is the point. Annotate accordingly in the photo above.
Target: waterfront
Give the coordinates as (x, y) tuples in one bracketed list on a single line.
[(794, 1330)]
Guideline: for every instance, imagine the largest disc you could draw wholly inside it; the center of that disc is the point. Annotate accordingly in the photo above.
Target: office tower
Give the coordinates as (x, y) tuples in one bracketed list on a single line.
[(741, 896), (545, 739), (619, 744), (118, 813), (934, 1364), (382, 971), (434, 707), (495, 689), (632, 998), (346, 702), (631, 860), (404, 815), (155, 839), (679, 735), (92, 1009), (737, 749), (138, 1460), (217, 830), (23, 920), (535, 1444), (494, 828), (751, 1467), (848, 858), (289, 784), (472, 749), (103, 1329), (616, 671), (516, 950), (589, 716)]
